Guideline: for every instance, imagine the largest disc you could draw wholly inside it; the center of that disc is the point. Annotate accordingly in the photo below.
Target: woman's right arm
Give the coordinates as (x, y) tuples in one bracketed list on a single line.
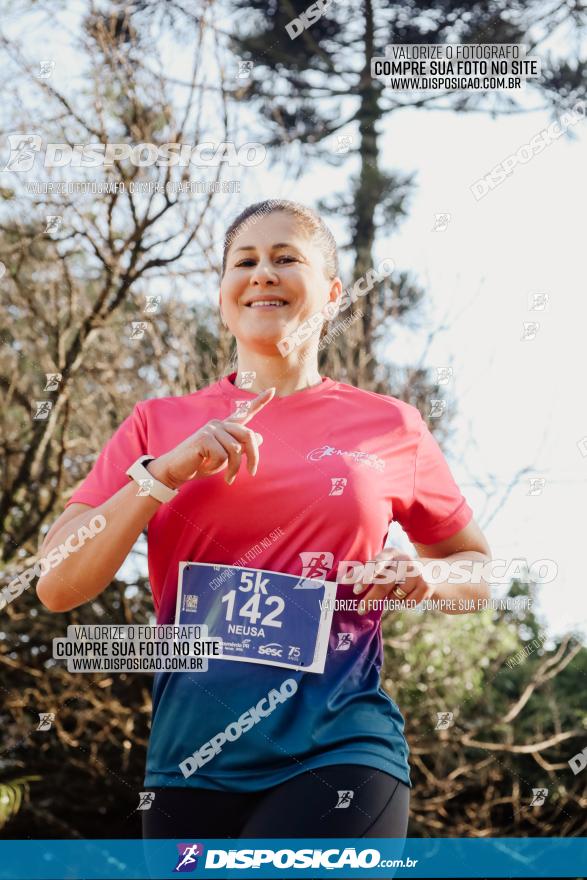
[(85, 573)]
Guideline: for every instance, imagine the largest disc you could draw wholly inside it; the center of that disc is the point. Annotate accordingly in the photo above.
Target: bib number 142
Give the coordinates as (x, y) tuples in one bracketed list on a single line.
[(255, 583)]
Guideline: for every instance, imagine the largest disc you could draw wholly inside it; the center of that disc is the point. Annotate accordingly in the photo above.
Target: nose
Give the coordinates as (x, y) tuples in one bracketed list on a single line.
[(263, 275)]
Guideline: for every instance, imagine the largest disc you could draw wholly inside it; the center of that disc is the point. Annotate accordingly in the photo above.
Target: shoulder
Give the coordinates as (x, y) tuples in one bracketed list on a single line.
[(401, 415), (155, 407)]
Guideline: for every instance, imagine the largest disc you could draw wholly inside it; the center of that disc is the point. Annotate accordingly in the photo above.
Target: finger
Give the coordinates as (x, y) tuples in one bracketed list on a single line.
[(381, 563), (422, 591), (377, 592), (250, 442), (213, 455), (233, 449), (395, 568), (252, 407)]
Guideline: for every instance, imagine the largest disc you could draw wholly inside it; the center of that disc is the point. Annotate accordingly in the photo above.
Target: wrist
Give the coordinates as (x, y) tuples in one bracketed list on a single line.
[(160, 472)]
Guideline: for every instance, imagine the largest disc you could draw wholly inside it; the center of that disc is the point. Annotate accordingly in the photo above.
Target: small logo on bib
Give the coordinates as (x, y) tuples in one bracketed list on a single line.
[(190, 603), (273, 650)]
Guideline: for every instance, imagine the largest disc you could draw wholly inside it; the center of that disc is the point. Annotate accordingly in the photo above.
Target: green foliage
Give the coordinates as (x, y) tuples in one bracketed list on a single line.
[(12, 794), (469, 665)]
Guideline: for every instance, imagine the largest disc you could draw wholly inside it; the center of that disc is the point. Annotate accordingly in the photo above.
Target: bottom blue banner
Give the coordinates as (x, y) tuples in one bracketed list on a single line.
[(292, 857)]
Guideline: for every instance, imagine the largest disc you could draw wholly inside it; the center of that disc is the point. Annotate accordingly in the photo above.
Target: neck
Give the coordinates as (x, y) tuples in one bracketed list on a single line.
[(287, 375)]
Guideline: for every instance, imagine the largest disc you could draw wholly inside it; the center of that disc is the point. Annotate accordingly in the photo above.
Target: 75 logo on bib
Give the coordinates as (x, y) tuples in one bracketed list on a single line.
[(260, 616)]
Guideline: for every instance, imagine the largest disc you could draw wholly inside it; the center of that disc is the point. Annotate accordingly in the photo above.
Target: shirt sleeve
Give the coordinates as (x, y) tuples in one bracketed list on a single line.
[(437, 509), (108, 474)]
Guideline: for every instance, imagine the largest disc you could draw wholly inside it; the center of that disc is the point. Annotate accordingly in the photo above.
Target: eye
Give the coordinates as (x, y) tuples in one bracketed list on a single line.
[(249, 261)]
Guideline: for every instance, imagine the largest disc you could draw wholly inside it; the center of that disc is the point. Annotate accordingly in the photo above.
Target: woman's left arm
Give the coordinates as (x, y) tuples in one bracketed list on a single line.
[(469, 546)]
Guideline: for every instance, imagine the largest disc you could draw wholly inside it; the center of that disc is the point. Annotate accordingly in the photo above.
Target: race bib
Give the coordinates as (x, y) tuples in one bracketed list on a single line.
[(260, 616)]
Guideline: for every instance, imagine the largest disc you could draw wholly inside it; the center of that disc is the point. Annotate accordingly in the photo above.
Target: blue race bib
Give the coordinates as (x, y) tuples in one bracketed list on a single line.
[(260, 616)]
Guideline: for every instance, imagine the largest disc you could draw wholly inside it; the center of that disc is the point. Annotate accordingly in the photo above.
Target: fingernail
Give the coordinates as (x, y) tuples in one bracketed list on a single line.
[(230, 481), (362, 608), (358, 588)]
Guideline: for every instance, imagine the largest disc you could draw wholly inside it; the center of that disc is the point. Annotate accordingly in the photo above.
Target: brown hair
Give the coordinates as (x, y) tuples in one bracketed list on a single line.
[(310, 222)]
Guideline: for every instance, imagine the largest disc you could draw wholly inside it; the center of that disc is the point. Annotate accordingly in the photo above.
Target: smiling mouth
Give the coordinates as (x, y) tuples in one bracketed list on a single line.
[(267, 303)]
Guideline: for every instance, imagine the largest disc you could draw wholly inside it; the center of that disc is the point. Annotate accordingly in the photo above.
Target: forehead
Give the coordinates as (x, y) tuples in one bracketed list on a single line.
[(270, 230)]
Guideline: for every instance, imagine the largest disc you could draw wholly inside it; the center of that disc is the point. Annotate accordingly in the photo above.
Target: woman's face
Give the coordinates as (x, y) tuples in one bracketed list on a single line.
[(272, 260)]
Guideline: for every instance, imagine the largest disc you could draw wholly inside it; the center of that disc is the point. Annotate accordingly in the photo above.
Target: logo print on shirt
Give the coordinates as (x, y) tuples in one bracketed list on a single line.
[(316, 563), (188, 853), (356, 455), (338, 485)]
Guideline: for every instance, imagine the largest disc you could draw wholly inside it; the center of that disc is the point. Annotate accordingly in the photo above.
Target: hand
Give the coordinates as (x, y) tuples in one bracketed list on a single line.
[(219, 444), (412, 586)]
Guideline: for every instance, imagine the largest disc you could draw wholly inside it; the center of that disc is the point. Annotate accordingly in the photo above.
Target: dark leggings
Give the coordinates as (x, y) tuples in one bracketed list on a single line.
[(303, 806)]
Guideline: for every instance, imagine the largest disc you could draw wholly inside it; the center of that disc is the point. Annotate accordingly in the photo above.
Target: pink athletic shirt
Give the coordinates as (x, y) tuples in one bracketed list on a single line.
[(337, 465)]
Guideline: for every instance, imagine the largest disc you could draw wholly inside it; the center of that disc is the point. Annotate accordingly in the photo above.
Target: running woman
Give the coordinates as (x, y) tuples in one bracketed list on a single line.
[(279, 469)]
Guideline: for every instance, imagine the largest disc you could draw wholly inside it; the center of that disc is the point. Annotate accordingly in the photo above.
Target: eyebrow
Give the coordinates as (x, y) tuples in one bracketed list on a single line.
[(281, 244)]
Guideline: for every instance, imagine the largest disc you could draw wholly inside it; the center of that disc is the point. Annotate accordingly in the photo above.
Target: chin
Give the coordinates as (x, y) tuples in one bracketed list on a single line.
[(269, 339)]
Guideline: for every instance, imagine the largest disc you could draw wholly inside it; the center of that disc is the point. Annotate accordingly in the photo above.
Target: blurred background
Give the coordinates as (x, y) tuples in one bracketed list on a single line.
[(111, 297)]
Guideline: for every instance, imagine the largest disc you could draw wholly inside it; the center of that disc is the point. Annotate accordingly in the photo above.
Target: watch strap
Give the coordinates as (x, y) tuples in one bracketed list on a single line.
[(148, 483)]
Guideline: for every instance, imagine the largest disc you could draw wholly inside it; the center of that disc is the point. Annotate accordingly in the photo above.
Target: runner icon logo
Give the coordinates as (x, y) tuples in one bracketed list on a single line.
[(344, 799), (338, 485), (345, 640), (45, 720), (539, 795), (316, 563), (146, 799), (187, 861), (444, 720)]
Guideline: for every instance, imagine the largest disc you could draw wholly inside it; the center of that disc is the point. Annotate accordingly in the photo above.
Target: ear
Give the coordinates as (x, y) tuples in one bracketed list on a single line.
[(335, 290)]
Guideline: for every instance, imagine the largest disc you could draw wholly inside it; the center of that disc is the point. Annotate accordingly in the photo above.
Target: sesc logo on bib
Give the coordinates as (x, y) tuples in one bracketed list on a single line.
[(260, 616), (273, 650)]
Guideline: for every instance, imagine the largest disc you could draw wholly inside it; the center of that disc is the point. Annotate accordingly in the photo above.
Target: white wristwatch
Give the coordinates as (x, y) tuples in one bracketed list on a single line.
[(150, 486)]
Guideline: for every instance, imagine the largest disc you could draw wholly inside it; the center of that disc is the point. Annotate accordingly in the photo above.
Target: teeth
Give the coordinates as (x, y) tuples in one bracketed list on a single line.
[(267, 302)]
